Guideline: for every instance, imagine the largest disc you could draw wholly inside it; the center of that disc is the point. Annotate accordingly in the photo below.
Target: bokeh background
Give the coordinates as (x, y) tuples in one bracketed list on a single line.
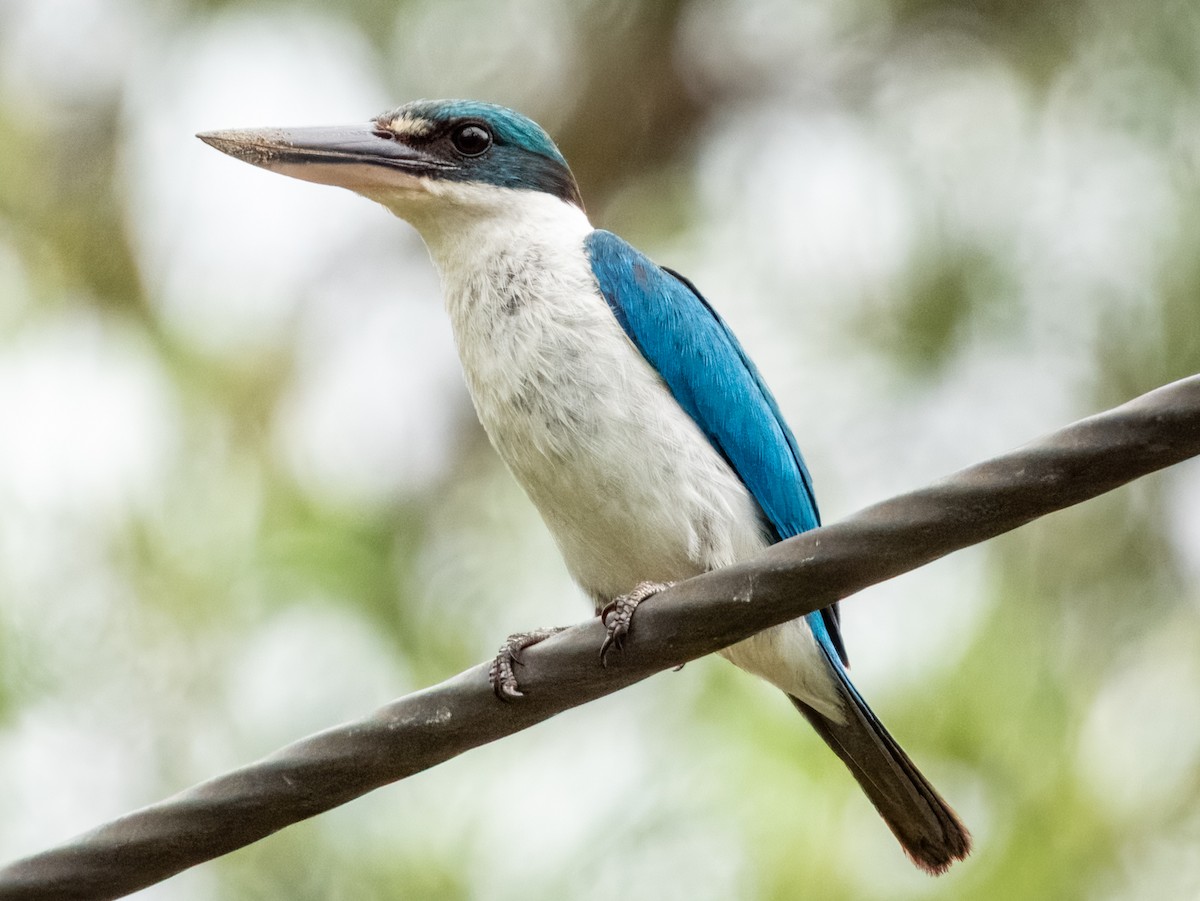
[(243, 495)]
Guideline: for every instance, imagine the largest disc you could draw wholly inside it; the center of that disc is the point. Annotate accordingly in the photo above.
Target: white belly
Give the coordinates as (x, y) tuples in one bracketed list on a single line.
[(626, 481)]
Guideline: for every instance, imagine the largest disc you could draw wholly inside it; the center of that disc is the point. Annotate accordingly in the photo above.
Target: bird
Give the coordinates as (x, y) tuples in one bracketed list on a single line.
[(618, 398)]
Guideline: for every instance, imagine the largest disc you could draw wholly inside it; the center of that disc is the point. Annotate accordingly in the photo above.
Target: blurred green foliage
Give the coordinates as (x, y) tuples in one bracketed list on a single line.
[(1026, 181)]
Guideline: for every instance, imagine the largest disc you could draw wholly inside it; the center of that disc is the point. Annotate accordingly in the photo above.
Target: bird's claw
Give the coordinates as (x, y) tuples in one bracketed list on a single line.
[(502, 673), (617, 615)]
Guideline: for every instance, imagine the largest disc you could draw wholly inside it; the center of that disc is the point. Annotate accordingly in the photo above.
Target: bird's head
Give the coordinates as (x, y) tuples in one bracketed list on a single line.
[(426, 161)]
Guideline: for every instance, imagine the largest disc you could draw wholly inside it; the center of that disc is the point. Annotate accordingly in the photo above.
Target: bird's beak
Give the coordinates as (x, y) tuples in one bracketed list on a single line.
[(358, 157)]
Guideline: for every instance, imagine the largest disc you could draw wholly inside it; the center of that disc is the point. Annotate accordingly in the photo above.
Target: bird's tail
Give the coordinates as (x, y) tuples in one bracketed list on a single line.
[(927, 828)]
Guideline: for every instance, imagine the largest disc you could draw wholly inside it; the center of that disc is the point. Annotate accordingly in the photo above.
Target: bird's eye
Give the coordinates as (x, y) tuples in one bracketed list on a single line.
[(471, 140)]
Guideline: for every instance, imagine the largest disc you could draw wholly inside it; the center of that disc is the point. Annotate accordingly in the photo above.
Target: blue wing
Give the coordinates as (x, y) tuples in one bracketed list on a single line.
[(717, 385)]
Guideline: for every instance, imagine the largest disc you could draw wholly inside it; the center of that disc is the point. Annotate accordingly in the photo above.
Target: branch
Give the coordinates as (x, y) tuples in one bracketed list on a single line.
[(692, 619)]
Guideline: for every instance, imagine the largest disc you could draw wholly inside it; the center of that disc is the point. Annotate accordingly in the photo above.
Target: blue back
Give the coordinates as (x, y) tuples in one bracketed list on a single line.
[(717, 385)]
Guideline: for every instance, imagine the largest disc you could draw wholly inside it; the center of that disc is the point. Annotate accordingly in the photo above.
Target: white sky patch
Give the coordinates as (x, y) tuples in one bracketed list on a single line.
[(1183, 507), (806, 199), (229, 249), (308, 667), (64, 773), (1141, 739), (56, 53), (1161, 865), (958, 117), (897, 437), (569, 789), (378, 392), (89, 420), (1101, 211), (798, 49), (903, 631), (500, 50)]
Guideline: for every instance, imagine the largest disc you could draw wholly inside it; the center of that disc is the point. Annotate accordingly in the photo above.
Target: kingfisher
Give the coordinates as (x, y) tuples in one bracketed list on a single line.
[(618, 398)]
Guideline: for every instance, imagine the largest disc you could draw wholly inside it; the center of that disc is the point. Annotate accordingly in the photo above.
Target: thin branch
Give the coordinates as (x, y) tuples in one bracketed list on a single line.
[(690, 620)]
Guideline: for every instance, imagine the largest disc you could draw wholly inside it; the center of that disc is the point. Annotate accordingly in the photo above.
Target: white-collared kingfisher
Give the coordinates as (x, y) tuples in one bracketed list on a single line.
[(618, 398)]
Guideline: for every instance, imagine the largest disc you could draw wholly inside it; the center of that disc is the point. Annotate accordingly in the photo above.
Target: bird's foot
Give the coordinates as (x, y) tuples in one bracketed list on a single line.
[(617, 615), (502, 673)]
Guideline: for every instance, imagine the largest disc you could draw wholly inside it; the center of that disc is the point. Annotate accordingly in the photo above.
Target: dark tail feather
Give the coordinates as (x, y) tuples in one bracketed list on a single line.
[(928, 830)]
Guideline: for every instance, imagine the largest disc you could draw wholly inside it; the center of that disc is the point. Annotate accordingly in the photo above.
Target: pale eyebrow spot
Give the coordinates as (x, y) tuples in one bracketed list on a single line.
[(406, 125)]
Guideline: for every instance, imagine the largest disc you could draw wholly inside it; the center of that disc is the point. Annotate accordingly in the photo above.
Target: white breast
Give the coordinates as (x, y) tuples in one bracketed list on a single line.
[(627, 483)]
